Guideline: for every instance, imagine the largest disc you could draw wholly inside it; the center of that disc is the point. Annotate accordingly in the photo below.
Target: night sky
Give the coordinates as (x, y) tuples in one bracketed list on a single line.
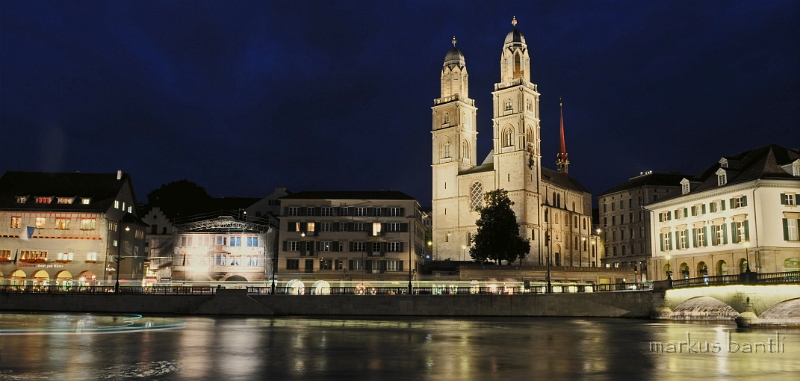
[(244, 96)]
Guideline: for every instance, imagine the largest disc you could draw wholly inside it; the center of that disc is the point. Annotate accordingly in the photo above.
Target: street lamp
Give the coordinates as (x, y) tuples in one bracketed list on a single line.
[(119, 256), (669, 268), (747, 256)]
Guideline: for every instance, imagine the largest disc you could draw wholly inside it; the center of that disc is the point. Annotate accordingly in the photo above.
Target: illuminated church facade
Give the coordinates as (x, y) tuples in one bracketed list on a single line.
[(553, 210)]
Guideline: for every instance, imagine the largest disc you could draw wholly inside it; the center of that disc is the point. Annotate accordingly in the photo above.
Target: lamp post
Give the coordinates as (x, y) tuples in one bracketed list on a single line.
[(549, 251), (747, 257)]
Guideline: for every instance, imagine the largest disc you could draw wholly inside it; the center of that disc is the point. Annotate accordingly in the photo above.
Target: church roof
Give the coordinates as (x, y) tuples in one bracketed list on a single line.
[(514, 36), (562, 181), (454, 57), (486, 167)]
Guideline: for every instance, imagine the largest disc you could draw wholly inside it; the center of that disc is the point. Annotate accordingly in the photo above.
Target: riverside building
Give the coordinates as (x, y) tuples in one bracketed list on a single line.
[(740, 214), (69, 229)]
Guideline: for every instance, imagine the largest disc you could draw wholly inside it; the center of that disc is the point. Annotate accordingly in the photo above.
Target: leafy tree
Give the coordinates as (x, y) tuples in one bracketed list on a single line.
[(179, 198), (498, 233)]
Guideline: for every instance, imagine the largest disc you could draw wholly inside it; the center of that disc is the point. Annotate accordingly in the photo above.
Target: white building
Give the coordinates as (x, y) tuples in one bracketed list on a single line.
[(742, 208), (546, 202)]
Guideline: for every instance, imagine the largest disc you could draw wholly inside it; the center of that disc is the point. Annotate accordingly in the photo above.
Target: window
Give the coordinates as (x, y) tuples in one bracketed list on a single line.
[(394, 247), (33, 256), (700, 237), (633, 247), (292, 246), (130, 209), (446, 119), (62, 223), (621, 219), (40, 222), (325, 226), (92, 256), (476, 200), (16, 222), (718, 235), (788, 199), (310, 228), (310, 211), (252, 241), (294, 211), (325, 246), (623, 250), (508, 138), (326, 212), (739, 232), (605, 221), (292, 264), (641, 231), (44, 200), (377, 212), (613, 220), (667, 241), (376, 229), (360, 212), (622, 234), (392, 226), (508, 105), (88, 224), (682, 239), (632, 235), (236, 242), (790, 229), (394, 212), (738, 202), (679, 213), (621, 205), (722, 177), (613, 206), (359, 227), (358, 246), (464, 150), (343, 226), (65, 200), (393, 266), (343, 211), (86, 201), (22, 199), (685, 186)]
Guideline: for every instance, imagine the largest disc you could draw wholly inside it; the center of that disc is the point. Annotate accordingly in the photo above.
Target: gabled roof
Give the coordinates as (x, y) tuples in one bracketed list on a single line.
[(562, 181), (486, 167), (348, 195), (651, 179), (101, 188), (759, 163)]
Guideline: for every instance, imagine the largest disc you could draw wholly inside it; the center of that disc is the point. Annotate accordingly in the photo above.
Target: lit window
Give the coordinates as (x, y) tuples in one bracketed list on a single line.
[(376, 228), (65, 200), (22, 199), (788, 198), (40, 222), (790, 229), (446, 150), (477, 196), (685, 186), (508, 138), (62, 223), (86, 201), (130, 209), (116, 204), (325, 246), (722, 177), (682, 240), (44, 200), (16, 222)]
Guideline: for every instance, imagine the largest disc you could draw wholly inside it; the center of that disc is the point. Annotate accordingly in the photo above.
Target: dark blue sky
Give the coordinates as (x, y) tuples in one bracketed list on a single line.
[(244, 96)]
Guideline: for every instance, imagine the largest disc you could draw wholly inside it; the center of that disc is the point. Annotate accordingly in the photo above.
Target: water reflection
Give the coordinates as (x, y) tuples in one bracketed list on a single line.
[(384, 349)]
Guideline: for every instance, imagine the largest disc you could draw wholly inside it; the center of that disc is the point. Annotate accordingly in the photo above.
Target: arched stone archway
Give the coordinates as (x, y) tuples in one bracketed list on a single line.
[(235, 278), (684, 271), (742, 265), (722, 268)]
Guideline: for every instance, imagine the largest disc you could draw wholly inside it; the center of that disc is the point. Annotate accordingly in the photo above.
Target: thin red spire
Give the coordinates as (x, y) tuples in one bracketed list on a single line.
[(562, 160)]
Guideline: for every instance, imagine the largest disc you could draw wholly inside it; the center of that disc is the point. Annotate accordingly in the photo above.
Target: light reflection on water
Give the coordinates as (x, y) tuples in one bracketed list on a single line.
[(383, 349)]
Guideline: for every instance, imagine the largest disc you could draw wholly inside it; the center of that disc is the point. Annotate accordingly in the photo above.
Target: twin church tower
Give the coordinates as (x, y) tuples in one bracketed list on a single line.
[(548, 204)]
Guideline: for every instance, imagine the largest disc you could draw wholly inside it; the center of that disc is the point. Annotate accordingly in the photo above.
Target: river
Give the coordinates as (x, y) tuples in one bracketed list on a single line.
[(101, 347)]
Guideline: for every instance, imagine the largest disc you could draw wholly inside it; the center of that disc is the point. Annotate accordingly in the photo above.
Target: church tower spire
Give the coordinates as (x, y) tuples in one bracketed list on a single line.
[(562, 160)]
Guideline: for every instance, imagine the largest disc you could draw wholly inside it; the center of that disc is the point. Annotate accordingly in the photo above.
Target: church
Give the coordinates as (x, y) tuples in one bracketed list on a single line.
[(553, 209)]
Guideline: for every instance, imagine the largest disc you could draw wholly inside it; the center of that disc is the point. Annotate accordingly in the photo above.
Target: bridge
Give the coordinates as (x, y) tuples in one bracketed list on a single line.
[(750, 298)]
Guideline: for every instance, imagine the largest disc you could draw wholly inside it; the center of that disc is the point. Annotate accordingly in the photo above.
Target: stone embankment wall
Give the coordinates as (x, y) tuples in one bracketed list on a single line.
[(235, 302)]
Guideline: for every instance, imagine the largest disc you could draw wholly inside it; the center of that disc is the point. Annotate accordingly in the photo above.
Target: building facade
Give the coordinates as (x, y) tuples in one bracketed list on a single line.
[(740, 213), (349, 236), (553, 209), (69, 229), (624, 223), (222, 249)]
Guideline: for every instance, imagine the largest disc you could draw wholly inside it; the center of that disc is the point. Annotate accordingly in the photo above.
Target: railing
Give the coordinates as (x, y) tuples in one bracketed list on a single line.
[(743, 278), (356, 290)]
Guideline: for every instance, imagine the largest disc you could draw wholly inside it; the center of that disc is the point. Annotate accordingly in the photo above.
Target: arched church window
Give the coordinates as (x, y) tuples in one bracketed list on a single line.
[(508, 138), (446, 119), (446, 149), (545, 215), (554, 199), (517, 69), (529, 105), (476, 193), (508, 105), (464, 150)]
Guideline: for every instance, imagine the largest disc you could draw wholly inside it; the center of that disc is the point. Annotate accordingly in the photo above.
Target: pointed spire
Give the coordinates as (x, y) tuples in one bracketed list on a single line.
[(562, 160), (454, 41)]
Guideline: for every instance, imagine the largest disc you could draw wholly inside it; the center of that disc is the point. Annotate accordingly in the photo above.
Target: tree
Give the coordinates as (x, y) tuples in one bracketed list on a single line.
[(498, 233), (179, 198)]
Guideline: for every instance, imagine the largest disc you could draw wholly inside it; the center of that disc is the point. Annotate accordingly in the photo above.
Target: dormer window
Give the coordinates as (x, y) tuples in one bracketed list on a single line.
[(65, 200), (722, 177), (44, 200), (723, 163), (86, 201), (685, 186), (22, 199)]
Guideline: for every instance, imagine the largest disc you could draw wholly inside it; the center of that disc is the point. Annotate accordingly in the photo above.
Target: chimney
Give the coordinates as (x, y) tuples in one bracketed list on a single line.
[(119, 174)]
